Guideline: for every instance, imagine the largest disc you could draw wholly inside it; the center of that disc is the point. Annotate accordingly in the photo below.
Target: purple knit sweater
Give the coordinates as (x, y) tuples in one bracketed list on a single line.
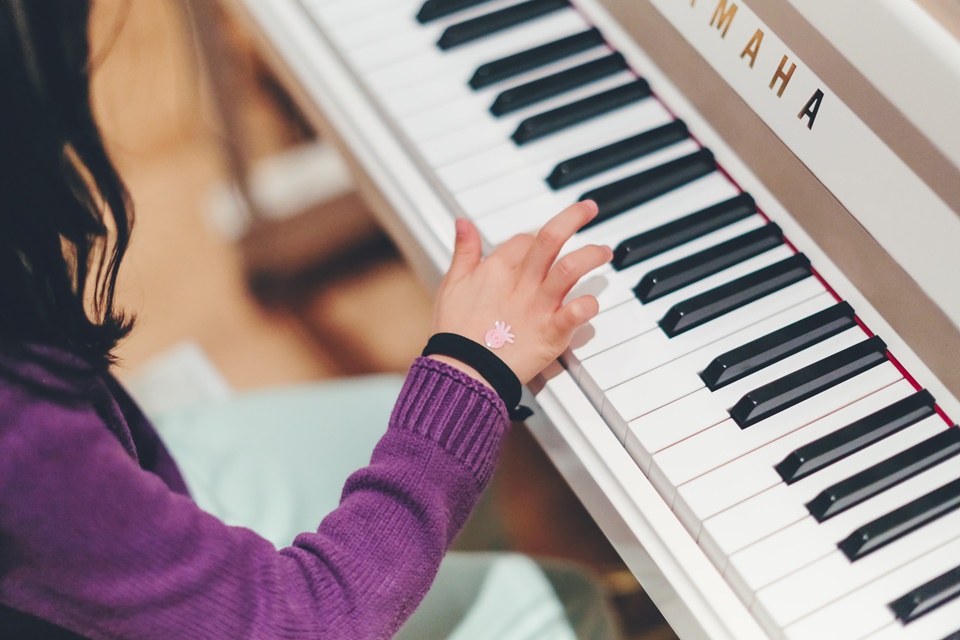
[(98, 537)]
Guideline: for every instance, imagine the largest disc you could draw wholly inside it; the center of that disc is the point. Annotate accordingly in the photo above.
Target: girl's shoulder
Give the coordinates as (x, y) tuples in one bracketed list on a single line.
[(56, 389), (45, 370)]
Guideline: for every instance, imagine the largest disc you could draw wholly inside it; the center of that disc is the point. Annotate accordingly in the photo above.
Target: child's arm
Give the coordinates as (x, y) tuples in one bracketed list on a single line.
[(92, 543)]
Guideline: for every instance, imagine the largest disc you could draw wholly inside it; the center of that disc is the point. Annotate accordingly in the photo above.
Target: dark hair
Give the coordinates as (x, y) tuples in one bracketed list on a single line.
[(65, 215)]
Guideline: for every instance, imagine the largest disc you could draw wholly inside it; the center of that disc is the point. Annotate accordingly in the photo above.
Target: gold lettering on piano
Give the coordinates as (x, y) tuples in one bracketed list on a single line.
[(780, 75), (723, 16), (753, 47), (811, 108)]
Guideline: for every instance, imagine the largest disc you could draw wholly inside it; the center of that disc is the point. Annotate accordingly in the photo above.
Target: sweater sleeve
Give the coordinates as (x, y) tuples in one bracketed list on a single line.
[(92, 543)]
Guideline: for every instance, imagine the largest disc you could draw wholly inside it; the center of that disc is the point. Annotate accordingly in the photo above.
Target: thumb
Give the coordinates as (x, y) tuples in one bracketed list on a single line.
[(467, 250)]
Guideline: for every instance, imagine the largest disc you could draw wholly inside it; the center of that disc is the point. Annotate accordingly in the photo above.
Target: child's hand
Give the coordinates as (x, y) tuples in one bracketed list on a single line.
[(519, 285)]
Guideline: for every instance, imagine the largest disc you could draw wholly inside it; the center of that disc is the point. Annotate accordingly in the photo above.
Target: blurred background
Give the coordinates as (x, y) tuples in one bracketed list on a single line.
[(285, 301)]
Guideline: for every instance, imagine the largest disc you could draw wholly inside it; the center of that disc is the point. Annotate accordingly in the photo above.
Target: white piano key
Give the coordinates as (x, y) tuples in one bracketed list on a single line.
[(608, 327), (396, 28), (527, 184), (335, 15), (470, 114), (388, 23), (379, 54), (710, 189), (614, 366), (473, 169), (421, 68), (370, 50), (483, 136), (676, 460), (671, 382), (435, 107), (894, 631), (746, 576), (754, 472), (679, 419), (451, 92), (800, 539), (405, 44), (865, 612), (786, 601), (459, 63), (664, 361)]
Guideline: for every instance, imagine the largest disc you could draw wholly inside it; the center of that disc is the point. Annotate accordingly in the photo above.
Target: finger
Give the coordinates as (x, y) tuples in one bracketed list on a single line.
[(513, 250), (572, 316), (570, 268), (467, 250), (553, 236)]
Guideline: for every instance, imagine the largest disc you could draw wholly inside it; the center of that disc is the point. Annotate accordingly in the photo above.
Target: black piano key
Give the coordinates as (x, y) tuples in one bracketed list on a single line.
[(900, 522), (623, 195), (882, 476), (807, 382), (590, 164), (490, 23), (858, 435), (927, 597), (543, 124), (514, 65), (676, 275), (774, 347), (434, 9), (524, 95), (712, 304), (673, 234)]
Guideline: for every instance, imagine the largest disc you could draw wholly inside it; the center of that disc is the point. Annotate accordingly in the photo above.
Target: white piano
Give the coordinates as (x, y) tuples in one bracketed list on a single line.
[(761, 419)]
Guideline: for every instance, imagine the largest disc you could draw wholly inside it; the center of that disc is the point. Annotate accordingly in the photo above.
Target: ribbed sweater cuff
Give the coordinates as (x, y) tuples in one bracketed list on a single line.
[(464, 416)]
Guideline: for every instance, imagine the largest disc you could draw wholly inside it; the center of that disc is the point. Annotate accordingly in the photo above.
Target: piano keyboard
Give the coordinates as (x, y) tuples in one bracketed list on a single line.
[(808, 465)]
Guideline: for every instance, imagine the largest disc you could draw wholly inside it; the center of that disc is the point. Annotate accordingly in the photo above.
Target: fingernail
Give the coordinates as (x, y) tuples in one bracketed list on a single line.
[(590, 204)]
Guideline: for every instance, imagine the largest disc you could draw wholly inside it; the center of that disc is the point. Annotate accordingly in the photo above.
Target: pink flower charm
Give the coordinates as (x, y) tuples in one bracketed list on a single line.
[(499, 335)]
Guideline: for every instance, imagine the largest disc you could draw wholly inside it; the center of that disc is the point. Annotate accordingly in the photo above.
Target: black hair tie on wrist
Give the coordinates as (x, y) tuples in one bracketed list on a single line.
[(494, 370)]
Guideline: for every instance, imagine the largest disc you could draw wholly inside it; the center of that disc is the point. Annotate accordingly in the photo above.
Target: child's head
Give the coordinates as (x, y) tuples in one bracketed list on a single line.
[(64, 212)]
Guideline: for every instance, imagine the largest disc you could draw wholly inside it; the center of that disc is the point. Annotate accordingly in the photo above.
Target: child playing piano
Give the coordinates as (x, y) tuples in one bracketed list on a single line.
[(99, 537)]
